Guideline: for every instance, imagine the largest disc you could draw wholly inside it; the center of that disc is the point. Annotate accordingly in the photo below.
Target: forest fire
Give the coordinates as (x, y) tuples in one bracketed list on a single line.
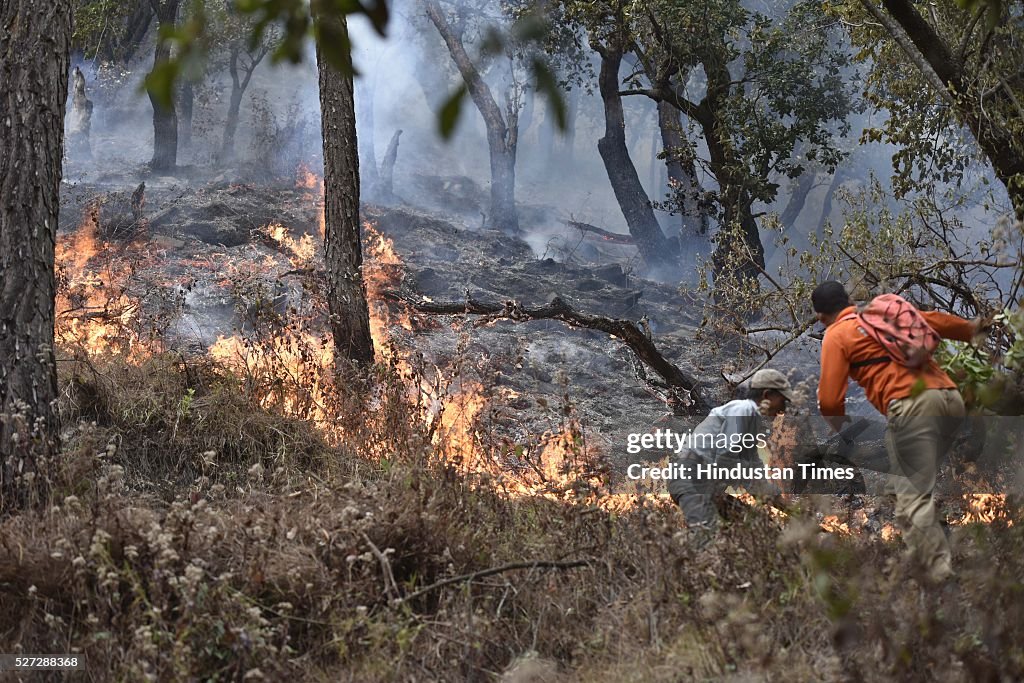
[(299, 251), (984, 508), (94, 312), (456, 405), (291, 369)]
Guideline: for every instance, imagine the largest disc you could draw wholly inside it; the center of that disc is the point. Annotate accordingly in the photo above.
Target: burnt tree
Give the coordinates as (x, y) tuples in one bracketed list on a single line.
[(502, 130), (343, 255), (656, 250), (165, 118), (35, 44)]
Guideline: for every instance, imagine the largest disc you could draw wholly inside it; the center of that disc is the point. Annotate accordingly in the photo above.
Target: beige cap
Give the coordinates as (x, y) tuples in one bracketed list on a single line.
[(772, 379)]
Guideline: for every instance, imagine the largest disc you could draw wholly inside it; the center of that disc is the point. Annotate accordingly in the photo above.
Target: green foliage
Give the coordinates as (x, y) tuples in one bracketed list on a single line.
[(96, 21), (989, 379), (930, 128), (449, 115)]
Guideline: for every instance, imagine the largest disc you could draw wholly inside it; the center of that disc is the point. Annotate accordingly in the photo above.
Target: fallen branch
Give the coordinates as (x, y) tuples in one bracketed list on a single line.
[(604, 235), (684, 389), (535, 564)]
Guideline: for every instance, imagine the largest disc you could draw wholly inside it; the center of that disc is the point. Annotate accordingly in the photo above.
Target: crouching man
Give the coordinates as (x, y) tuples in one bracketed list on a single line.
[(727, 437)]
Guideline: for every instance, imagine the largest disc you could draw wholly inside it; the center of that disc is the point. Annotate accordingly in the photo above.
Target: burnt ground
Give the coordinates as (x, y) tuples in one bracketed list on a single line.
[(198, 235), (203, 246)]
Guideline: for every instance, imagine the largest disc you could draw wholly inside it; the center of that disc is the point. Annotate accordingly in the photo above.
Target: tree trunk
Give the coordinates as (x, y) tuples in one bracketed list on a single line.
[(367, 150), (35, 44), (826, 203), (502, 135), (343, 254), (656, 250), (797, 199), (239, 84), (187, 104), (743, 259), (227, 145), (136, 28), (572, 112), (682, 176), (165, 119), (387, 169)]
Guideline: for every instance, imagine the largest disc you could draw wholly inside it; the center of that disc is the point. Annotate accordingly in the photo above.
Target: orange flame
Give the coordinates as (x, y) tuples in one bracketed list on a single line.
[(93, 311), (985, 508)]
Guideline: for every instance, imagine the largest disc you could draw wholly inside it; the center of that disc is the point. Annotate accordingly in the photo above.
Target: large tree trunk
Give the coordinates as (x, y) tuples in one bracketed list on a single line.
[(502, 135), (656, 250), (35, 44), (681, 174), (165, 119), (346, 293)]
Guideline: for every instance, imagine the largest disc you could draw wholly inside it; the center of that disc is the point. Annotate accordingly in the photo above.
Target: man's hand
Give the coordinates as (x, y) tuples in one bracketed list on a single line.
[(981, 326)]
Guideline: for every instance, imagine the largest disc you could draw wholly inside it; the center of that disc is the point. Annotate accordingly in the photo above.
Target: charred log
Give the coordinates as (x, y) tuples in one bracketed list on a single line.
[(683, 389), (600, 233)]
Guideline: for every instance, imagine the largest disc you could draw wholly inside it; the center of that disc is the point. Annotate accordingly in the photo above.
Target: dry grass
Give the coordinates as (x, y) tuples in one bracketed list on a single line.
[(284, 556)]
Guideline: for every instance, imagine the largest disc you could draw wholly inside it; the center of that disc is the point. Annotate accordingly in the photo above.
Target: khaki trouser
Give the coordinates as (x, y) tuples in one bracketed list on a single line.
[(920, 431)]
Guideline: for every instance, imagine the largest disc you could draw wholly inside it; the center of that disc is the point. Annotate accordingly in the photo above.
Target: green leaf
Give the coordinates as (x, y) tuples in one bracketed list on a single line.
[(160, 82), (449, 115), (547, 85)]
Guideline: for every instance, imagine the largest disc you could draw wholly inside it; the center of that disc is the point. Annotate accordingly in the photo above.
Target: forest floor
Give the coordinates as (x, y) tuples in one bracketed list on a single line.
[(229, 508)]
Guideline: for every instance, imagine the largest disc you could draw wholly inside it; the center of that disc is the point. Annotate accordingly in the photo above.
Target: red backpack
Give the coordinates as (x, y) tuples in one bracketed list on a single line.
[(900, 328)]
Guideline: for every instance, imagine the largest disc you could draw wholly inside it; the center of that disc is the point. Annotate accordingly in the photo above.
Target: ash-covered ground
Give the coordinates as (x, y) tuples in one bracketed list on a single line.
[(203, 249)]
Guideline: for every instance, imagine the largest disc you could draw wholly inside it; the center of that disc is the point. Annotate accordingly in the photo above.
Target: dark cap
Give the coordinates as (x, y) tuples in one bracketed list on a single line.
[(829, 297)]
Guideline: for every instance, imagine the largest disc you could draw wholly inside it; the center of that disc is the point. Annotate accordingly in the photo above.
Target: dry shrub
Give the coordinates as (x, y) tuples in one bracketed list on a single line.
[(296, 557), (169, 420)]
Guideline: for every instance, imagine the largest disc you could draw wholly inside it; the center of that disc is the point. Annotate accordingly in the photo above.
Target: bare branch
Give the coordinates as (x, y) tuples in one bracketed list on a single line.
[(685, 388), (512, 566)]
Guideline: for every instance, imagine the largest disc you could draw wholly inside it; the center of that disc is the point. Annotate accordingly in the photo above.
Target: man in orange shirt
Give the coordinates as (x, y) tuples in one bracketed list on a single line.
[(923, 407)]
